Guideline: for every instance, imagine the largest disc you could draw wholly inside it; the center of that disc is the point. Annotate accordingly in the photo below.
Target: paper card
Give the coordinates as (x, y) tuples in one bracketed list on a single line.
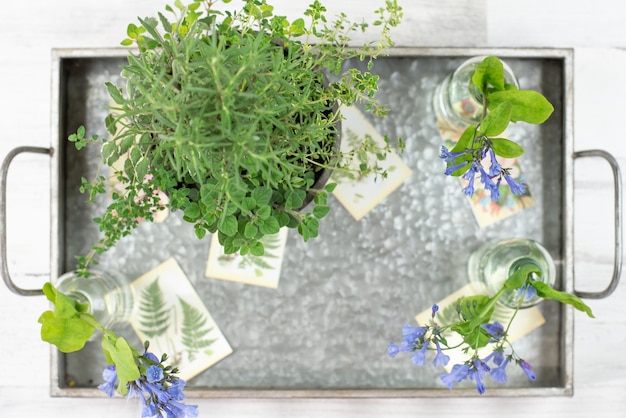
[(170, 314), (485, 211), (259, 271), (526, 320), (359, 196)]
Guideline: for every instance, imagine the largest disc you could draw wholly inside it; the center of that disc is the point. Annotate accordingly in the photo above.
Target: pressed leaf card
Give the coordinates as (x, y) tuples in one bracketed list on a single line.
[(170, 314), (254, 270), (360, 195)]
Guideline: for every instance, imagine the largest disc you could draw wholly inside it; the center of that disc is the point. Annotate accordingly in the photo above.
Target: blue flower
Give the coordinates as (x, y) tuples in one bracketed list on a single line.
[(411, 333), (452, 168), (154, 374), (470, 175), (152, 359), (516, 188), (109, 374), (530, 290), (393, 350), (476, 376), (495, 191), (134, 390), (440, 358), (499, 374), (176, 389), (419, 357), (528, 369), (485, 178), (449, 156), (496, 330), (158, 392), (498, 357), (149, 410), (175, 409), (435, 308), (458, 373), (495, 168)]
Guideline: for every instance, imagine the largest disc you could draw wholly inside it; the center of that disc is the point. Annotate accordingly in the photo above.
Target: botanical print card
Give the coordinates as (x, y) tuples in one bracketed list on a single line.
[(259, 271), (526, 320), (361, 195), (485, 211), (170, 314)]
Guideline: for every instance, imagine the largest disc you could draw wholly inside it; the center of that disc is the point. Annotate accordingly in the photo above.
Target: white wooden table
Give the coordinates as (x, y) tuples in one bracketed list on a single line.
[(595, 29)]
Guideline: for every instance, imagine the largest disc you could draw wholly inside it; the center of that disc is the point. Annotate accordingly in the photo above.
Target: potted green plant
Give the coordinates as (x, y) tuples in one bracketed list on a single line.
[(234, 116)]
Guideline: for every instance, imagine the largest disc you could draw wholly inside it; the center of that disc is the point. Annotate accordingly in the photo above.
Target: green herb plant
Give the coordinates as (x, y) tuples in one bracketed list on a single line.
[(234, 115)]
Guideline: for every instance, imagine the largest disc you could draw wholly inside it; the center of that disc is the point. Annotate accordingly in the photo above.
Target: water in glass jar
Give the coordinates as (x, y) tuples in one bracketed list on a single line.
[(492, 264)]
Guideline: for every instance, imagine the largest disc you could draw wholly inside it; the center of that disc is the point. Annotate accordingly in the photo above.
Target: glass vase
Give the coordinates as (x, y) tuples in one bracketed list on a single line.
[(110, 300), (493, 263), (457, 102)]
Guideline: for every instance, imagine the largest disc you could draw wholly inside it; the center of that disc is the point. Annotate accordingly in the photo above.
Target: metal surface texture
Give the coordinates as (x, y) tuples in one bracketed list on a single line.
[(344, 296)]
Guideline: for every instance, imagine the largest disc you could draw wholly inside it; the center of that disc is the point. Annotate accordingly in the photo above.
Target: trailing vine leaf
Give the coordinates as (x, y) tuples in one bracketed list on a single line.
[(194, 330), (547, 292), (154, 314)]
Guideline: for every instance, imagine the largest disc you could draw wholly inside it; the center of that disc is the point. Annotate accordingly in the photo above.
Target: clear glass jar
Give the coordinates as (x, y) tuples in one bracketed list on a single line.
[(457, 101), (110, 299), (493, 263)]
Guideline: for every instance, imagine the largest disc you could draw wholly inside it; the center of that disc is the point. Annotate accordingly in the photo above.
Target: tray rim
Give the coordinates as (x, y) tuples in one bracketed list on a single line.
[(566, 55)]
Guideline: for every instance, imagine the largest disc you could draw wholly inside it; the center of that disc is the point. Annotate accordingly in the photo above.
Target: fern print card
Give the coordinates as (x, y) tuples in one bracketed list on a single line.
[(360, 195), (259, 271), (169, 313)]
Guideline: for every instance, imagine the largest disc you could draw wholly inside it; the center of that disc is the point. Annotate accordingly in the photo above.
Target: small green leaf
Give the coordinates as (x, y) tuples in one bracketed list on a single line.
[(519, 276), (248, 204), (270, 226), (330, 187), (294, 199), (250, 230), (506, 148), (115, 93), (466, 139), (192, 212), (109, 152), (142, 168), (497, 120), (489, 71), (547, 292), (264, 212), (319, 211), (110, 124), (257, 249), (228, 225), (122, 355), (527, 105), (135, 155), (262, 195), (166, 23), (67, 334)]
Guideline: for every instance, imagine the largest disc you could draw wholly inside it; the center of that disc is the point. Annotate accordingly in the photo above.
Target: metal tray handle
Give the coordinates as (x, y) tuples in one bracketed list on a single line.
[(4, 267), (617, 261)]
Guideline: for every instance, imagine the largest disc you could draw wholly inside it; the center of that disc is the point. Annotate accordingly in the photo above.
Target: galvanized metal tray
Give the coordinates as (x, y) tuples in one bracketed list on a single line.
[(343, 296)]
